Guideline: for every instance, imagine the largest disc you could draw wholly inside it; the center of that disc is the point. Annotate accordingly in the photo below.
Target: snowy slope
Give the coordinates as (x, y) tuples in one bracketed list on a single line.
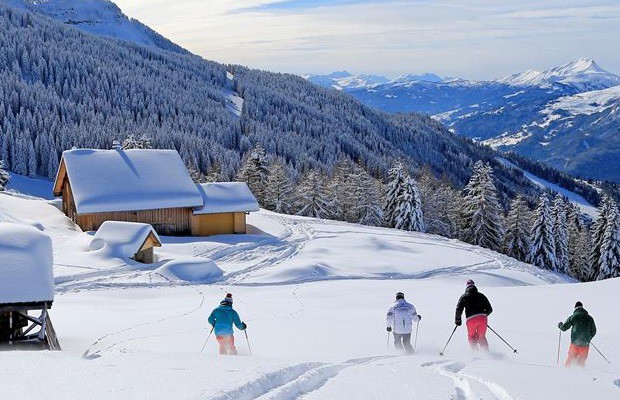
[(314, 294), (99, 17)]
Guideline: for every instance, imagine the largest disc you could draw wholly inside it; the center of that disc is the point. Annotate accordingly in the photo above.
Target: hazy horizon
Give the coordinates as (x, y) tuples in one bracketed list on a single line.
[(469, 39)]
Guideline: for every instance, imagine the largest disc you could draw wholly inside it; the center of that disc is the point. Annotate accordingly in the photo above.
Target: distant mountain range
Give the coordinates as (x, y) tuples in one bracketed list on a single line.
[(566, 116)]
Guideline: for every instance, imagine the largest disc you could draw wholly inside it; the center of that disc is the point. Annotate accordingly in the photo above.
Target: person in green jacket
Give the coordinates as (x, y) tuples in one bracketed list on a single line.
[(582, 331)]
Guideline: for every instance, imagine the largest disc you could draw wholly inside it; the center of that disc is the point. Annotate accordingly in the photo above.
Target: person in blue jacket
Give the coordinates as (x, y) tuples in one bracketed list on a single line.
[(222, 320)]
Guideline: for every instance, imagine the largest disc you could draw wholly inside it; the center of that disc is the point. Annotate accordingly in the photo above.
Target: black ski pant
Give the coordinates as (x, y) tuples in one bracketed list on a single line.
[(403, 341)]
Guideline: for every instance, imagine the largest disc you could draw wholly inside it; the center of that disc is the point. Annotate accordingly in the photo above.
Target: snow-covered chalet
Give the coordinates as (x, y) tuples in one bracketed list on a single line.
[(149, 186)]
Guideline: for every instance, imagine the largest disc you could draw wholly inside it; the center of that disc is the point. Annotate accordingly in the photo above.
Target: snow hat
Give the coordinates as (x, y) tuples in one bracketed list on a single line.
[(227, 300), (578, 304), (470, 282), (400, 295)]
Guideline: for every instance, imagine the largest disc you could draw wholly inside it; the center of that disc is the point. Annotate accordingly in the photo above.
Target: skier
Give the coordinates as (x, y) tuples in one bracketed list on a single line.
[(400, 319), (222, 319), (582, 331), (477, 308)]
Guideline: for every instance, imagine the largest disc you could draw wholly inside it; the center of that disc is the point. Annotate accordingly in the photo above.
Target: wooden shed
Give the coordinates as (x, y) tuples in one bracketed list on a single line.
[(127, 239), (149, 186), (225, 207)]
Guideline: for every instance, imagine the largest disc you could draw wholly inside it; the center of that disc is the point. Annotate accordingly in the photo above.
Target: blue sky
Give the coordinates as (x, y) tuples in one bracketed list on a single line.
[(476, 39)]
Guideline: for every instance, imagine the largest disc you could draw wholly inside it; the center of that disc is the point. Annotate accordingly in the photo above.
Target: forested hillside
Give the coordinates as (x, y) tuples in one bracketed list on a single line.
[(61, 88)]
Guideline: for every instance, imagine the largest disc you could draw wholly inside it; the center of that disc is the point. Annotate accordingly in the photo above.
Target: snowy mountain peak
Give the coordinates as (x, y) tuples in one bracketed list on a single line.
[(583, 74), (99, 17), (425, 77)]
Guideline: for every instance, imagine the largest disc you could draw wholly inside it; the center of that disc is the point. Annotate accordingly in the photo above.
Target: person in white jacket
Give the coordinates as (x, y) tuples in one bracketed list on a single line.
[(400, 318)]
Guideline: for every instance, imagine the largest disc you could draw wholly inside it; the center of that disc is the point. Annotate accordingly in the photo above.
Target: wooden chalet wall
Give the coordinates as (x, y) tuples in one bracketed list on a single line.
[(165, 221), (218, 224)]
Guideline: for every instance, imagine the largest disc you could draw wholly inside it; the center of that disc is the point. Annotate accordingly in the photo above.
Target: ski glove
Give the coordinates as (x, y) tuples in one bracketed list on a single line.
[(560, 325), (458, 323), (419, 317), (389, 329), (243, 326)]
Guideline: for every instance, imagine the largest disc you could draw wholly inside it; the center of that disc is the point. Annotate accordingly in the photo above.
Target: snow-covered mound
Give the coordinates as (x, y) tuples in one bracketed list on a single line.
[(191, 269), (26, 273)]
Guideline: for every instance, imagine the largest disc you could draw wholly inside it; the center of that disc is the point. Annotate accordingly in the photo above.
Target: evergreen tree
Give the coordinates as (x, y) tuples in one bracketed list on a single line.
[(440, 204), (368, 195), (542, 250), (214, 174), (481, 212), (598, 233), (311, 196), (609, 263), (195, 174), (578, 244), (560, 233), (409, 212), (279, 191), (518, 223), (4, 176), (132, 142), (341, 190), (254, 172), (397, 177)]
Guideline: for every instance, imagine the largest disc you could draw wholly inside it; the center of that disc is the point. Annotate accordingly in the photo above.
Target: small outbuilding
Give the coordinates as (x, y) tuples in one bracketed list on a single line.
[(26, 284), (127, 239), (225, 207)]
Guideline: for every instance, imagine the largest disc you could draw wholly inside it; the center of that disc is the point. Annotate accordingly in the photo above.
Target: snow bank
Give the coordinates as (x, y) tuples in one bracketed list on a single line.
[(122, 239), (191, 269), (26, 273), (226, 197), (126, 180)]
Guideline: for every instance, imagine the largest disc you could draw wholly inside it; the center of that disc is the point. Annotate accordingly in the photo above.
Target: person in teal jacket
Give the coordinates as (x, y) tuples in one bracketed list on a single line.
[(582, 331), (222, 320)]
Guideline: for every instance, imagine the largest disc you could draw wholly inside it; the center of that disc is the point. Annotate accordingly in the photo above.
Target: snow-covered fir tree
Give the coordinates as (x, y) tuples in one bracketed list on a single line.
[(195, 174), (133, 142), (518, 223), (341, 190), (214, 174), (279, 190), (542, 250), (397, 178), (578, 244), (609, 262), (409, 212), (310, 197), (440, 204), (480, 211), (598, 233), (254, 172), (4, 176), (368, 199), (560, 233)]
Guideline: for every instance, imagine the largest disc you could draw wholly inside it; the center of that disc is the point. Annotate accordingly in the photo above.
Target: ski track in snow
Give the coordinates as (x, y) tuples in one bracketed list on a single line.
[(292, 382), (468, 387)]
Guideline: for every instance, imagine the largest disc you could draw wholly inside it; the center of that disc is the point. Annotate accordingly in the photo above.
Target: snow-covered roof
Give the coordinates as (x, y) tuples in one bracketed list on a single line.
[(26, 264), (226, 197), (127, 180), (123, 239)]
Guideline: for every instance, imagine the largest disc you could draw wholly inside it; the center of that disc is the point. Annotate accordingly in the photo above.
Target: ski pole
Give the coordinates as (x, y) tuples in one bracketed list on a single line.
[(599, 352), (247, 340), (388, 341), (559, 344), (512, 348), (203, 346), (415, 342), (450, 338)]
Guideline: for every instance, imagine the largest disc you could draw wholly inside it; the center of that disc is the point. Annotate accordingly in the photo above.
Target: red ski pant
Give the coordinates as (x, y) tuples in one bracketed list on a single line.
[(227, 344), (577, 355), (476, 331)]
